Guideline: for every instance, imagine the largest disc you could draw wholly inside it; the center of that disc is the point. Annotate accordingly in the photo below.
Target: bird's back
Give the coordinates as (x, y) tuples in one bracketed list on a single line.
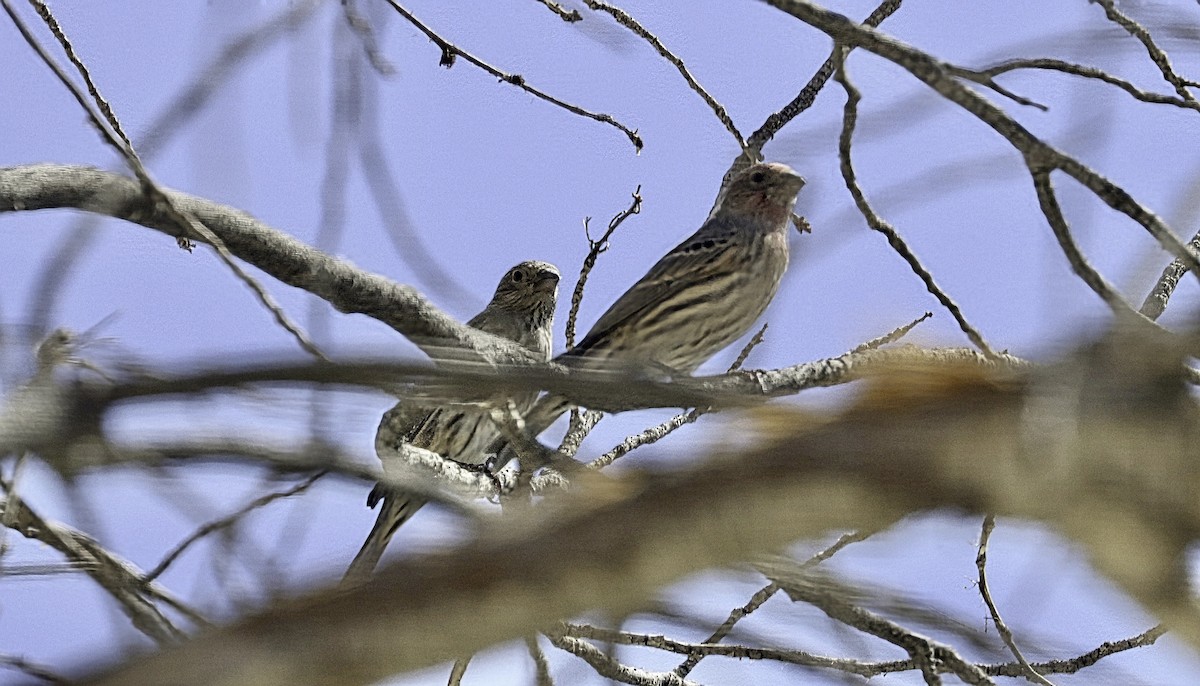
[(731, 272)]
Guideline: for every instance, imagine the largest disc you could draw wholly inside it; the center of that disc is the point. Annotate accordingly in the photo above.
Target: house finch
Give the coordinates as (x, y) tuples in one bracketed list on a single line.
[(703, 294), (522, 310)]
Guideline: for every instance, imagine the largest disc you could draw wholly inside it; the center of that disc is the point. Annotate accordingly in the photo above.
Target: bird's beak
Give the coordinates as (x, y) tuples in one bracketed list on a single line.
[(796, 181), (547, 280), (790, 185)]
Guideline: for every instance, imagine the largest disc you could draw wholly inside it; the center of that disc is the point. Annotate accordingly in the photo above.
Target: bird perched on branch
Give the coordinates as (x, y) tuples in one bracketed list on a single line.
[(522, 310), (703, 294)]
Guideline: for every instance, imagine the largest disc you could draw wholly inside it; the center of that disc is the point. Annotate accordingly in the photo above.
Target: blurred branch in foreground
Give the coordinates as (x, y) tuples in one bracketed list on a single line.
[(1098, 446)]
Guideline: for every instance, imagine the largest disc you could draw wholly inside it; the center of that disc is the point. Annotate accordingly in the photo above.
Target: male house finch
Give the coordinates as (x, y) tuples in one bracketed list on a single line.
[(703, 294), (522, 310)]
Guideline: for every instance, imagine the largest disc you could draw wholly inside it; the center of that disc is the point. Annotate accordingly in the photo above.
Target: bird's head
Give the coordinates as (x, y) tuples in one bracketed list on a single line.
[(765, 191), (531, 284)]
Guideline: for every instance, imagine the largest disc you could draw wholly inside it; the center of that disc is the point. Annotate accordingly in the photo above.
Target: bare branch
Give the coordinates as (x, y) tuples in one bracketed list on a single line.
[(93, 90), (624, 19), (891, 336), (1156, 300), (450, 52), (989, 523), (595, 248), (1073, 665), (657, 433), (155, 194), (1079, 264), (804, 99), (347, 288), (569, 17), (929, 656), (225, 522), (609, 668), (1159, 57), (30, 669), (540, 665), (830, 476), (849, 120), (764, 594), (1039, 156), (116, 576), (984, 77)]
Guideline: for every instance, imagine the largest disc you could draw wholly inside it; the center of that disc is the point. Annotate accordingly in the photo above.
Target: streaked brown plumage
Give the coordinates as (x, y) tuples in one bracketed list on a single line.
[(703, 294), (521, 310)]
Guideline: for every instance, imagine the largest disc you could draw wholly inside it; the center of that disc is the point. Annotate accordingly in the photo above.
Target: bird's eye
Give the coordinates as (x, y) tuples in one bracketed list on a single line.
[(758, 177), (518, 276)]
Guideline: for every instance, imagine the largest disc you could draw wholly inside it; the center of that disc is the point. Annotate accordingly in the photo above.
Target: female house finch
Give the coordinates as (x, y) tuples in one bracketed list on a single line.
[(522, 310), (708, 290), (703, 294)]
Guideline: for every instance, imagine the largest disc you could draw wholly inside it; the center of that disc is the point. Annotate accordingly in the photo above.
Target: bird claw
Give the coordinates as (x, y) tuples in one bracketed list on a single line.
[(485, 468)]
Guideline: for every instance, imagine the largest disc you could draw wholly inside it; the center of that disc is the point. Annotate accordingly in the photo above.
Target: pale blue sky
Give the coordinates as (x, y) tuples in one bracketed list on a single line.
[(489, 176)]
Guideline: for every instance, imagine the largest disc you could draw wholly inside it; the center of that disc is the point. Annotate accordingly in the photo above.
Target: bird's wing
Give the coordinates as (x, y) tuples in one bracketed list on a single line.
[(691, 258), (405, 422), (401, 424)]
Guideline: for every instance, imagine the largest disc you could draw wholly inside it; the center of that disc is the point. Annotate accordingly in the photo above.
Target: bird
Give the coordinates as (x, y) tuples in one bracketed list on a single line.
[(522, 310), (704, 294)]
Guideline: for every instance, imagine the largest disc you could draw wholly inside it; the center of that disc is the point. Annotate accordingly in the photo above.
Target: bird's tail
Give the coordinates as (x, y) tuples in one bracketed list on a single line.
[(397, 509)]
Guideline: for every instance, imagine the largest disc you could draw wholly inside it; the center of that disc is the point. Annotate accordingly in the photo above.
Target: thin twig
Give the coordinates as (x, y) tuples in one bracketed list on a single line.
[(751, 344), (595, 248), (1157, 55), (609, 668), (804, 99), (698, 651), (541, 667), (155, 194), (1075, 664), (457, 671), (762, 595), (891, 336), (989, 523), (1156, 300), (1079, 264), (836, 547), (226, 522), (366, 35), (657, 433), (624, 19), (849, 120), (52, 23), (931, 658), (450, 52), (30, 669), (569, 17), (1050, 64), (1038, 154), (987, 81), (648, 436), (581, 425), (847, 665)]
